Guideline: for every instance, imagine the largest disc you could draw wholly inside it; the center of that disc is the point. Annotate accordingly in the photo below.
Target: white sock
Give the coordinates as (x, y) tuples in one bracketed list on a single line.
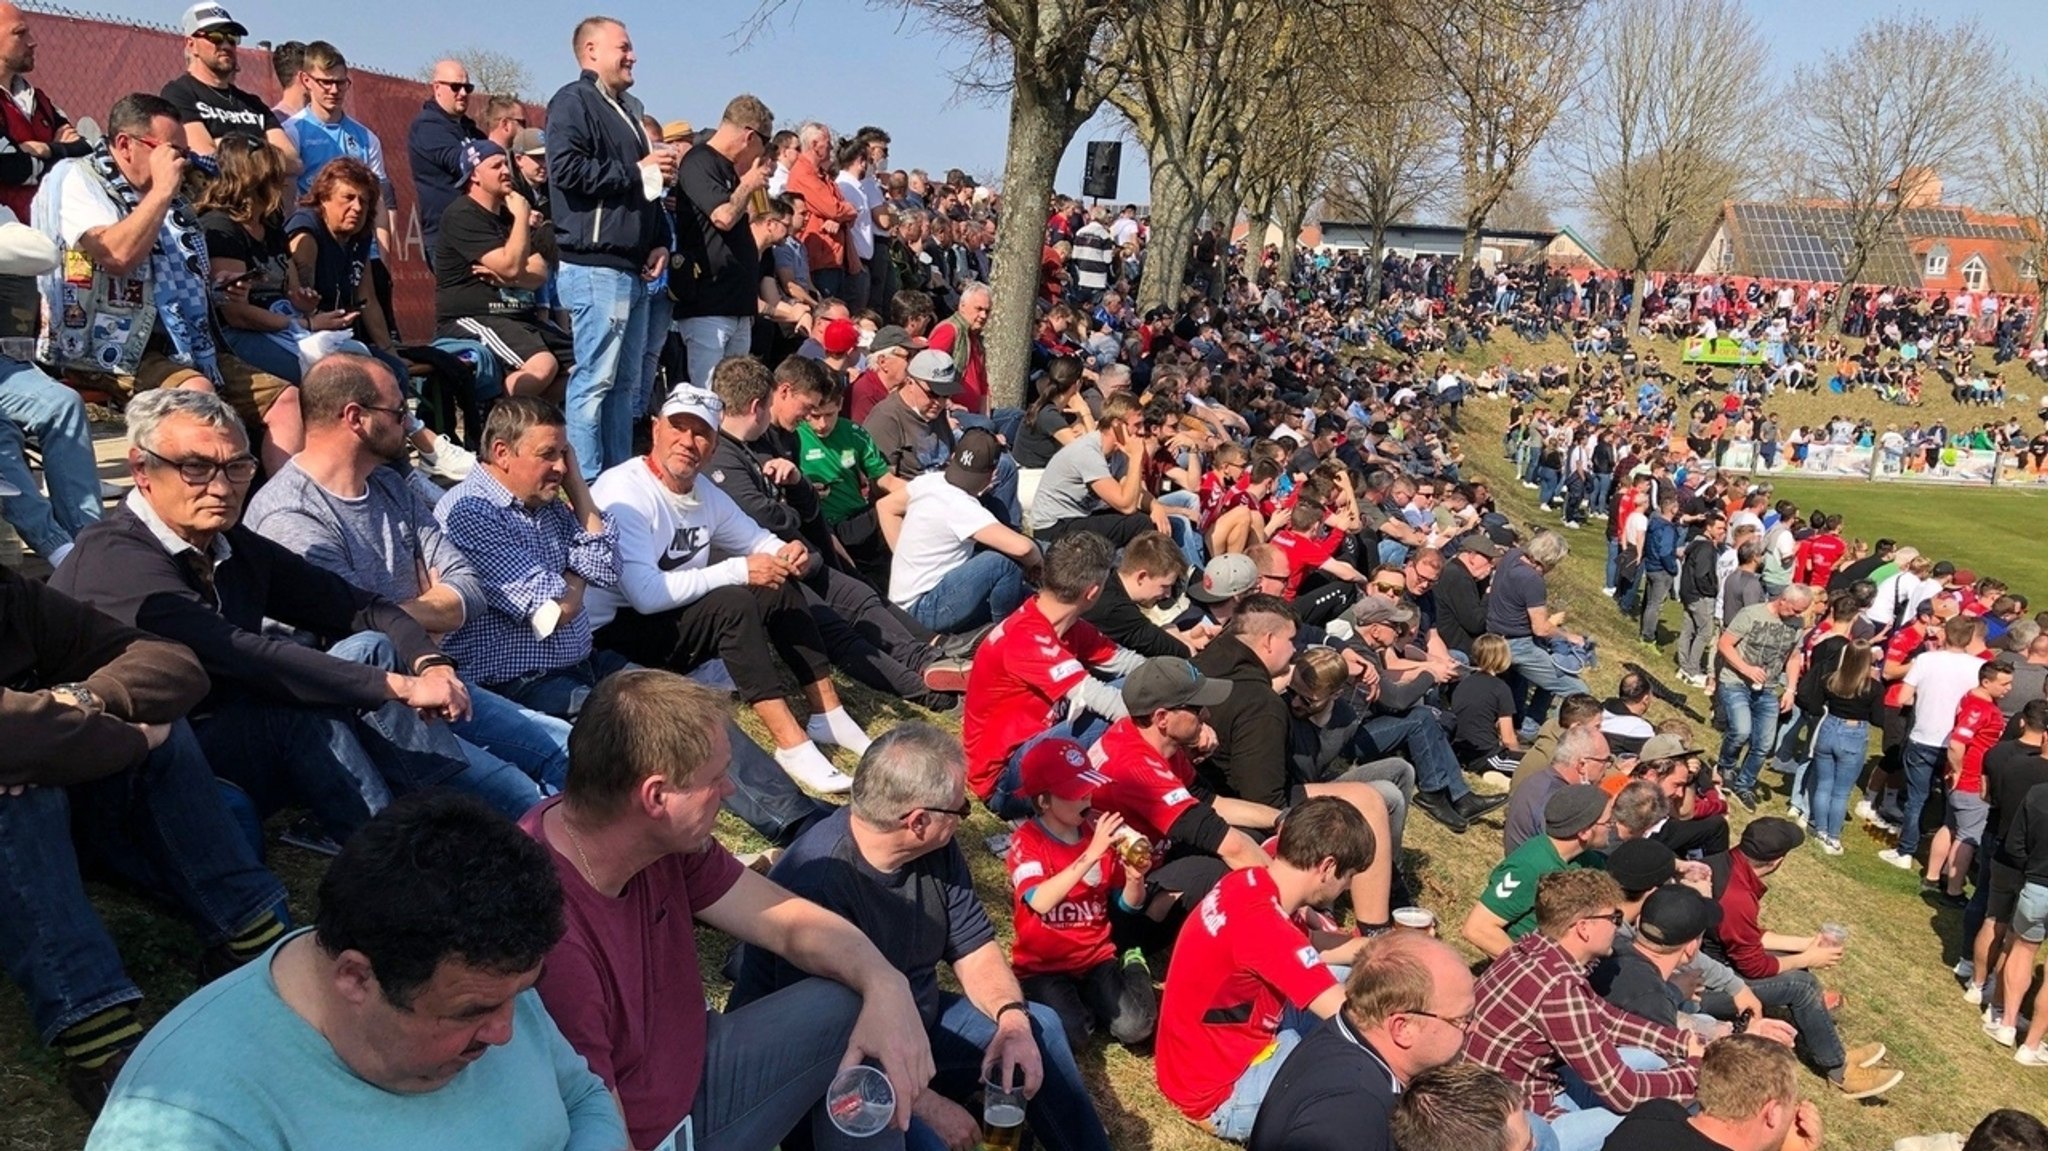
[(835, 726), (807, 765)]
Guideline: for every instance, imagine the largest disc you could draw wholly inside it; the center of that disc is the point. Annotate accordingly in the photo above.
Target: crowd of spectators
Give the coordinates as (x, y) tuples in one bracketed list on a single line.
[(1219, 611)]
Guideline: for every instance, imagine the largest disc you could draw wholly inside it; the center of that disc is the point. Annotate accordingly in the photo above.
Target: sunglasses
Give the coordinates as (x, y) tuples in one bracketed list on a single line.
[(223, 39), (965, 809), (452, 86), (1615, 917)]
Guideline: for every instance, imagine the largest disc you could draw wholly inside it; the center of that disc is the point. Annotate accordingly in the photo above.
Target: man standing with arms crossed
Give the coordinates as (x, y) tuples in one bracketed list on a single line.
[(605, 180)]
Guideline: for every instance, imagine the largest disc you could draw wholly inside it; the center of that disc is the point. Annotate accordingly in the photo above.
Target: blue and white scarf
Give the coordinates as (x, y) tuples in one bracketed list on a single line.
[(179, 268)]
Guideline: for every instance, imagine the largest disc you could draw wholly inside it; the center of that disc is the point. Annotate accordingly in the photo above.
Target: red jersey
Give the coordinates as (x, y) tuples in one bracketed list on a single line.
[(1149, 791), (1305, 553), (1905, 643), (1018, 685), (1219, 496), (1239, 961), (1980, 723), (1816, 558), (1074, 935)]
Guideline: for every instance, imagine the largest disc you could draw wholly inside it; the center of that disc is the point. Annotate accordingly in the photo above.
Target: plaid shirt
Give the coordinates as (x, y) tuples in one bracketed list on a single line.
[(521, 555), (1536, 1013)]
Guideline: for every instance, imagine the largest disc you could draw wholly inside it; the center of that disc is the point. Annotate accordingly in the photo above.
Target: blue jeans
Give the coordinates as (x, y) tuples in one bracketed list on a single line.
[(1187, 533), (490, 374), (1428, 748), (1008, 800), (505, 787), (987, 588), (162, 826), (764, 797), (1061, 1116), (1586, 1122), (1603, 484), (653, 339), (1234, 1117), (1839, 749), (1921, 761), (1752, 725), (707, 340), (607, 313), (1539, 677), (1548, 481), (32, 405), (267, 353), (532, 741)]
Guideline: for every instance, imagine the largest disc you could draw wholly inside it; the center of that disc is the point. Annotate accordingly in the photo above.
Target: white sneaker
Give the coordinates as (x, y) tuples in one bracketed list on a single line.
[(809, 767), (2031, 1057), (1964, 969), (1974, 994), (2001, 1035), (1799, 817), (1891, 855), (449, 460), (1865, 812), (1608, 591), (1829, 846)]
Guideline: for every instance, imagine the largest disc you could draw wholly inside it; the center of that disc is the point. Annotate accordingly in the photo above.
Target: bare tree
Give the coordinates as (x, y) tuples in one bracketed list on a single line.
[(1390, 157), (1675, 100), (1898, 106), (1507, 68), (493, 72), (2015, 176)]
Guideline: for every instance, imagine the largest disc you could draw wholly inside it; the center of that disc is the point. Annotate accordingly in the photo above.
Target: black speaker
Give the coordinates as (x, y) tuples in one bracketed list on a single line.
[(1105, 160)]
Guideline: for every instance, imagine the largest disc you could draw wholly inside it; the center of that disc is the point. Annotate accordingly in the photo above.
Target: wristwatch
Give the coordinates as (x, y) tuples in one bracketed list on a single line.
[(1012, 1005), (81, 695)]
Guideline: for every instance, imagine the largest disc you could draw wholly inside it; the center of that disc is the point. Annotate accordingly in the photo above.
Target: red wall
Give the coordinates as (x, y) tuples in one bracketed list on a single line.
[(86, 65)]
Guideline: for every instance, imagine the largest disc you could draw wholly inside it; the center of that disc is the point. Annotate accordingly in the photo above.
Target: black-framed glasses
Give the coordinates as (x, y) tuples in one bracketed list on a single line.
[(393, 411), (200, 473), (1615, 917), (455, 86), (965, 809), (330, 83)]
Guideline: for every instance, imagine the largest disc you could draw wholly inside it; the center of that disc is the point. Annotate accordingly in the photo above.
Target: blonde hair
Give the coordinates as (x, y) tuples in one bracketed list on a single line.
[(1490, 654)]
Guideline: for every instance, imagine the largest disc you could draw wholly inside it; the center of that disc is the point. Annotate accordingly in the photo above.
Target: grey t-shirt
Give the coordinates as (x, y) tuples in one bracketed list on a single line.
[(383, 541), (1063, 491)]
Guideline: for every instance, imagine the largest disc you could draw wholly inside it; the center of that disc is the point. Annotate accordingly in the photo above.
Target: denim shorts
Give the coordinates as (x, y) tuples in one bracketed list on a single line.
[(2030, 914)]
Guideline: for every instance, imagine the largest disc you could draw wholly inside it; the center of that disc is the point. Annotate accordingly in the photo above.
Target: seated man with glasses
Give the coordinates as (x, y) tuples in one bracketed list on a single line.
[(130, 307), (1583, 1062), (285, 722), (1407, 1003), (209, 105), (891, 863)]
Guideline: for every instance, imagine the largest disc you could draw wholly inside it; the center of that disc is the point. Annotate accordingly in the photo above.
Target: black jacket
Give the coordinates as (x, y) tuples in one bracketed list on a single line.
[(1116, 615), (1332, 1094), (119, 567), (1460, 607), (1696, 572), (434, 146), (602, 215), (789, 513), (1251, 727)]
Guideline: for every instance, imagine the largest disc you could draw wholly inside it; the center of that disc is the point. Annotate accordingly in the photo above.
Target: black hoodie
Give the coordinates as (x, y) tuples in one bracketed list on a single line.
[(1251, 727)]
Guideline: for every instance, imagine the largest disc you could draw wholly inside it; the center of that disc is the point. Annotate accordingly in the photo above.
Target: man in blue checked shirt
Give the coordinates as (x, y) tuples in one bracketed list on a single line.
[(536, 554)]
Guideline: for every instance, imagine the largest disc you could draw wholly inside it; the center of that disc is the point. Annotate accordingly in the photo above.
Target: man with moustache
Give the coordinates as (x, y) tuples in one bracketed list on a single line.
[(209, 104)]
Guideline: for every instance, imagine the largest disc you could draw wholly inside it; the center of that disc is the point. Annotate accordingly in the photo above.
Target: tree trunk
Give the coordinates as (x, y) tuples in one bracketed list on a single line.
[(1376, 260), (1290, 232), (1173, 232), (1256, 220), (1038, 135), (1640, 279)]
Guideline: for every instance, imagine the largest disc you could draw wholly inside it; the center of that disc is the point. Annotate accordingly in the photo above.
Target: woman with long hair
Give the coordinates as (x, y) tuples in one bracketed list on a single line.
[(328, 240), (241, 212), (1853, 698), (1057, 416)]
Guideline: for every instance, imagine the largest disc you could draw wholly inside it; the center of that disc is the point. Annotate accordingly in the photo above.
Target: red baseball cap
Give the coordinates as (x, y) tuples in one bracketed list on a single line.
[(1060, 768), (839, 337)]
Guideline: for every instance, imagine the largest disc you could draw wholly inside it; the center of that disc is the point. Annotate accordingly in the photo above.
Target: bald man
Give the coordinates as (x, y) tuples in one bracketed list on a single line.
[(435, 145)]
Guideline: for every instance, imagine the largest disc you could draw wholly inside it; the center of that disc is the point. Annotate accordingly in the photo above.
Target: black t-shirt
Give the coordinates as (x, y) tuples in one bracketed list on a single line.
[(225, 111), (1035, 438), (1478, 701), (1658, 1125), (469, 231), (228, 240), (2011, 770), (1116, 615), (338, 266), (924, 912), (717, 273), (1861, 569), (1629, 981)]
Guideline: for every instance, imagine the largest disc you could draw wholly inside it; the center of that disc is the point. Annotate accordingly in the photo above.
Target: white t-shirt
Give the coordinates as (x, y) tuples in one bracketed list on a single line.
[(937, 536), (1940, 680), (666, 542), (83, 203), (1123, 230)]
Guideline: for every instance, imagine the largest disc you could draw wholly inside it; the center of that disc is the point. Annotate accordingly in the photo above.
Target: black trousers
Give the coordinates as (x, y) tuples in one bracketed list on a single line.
[(1109, 995), (740, 625), (864, 637), (1118, 527)]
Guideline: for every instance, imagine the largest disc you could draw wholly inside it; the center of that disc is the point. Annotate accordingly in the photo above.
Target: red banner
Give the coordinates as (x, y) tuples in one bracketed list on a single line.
[(86, 65)]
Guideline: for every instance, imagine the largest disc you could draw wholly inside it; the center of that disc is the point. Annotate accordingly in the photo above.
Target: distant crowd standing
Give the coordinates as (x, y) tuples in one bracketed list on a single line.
[(1218, 610)]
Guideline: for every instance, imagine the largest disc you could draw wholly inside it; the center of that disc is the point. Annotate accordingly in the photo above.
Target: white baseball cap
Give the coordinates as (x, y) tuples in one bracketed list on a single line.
[(690, 400), (206, 14)]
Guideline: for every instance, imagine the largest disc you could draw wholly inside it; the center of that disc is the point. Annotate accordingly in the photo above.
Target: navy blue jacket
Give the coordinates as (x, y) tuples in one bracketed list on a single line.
[(434, 144), (602, 215), (1660, 546)]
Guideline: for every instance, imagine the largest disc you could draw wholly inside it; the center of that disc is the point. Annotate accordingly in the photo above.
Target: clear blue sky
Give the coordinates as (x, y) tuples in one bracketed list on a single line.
[(848, 63)]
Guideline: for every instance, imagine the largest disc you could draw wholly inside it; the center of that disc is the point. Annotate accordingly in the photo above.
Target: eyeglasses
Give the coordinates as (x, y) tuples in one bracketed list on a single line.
[(452, 86), (1461, 1022), (1615, 917), (177, 146), (200, 473), (397, 411), (965, 809), (1281, 578), (224, 39), (331, 84)]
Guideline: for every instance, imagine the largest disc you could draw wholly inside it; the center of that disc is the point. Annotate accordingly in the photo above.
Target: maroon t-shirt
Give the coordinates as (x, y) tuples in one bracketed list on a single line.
[(623, 984)]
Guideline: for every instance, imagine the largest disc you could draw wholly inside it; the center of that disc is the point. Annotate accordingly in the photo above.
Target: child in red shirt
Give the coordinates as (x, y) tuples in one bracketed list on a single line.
[(1064, 862)]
